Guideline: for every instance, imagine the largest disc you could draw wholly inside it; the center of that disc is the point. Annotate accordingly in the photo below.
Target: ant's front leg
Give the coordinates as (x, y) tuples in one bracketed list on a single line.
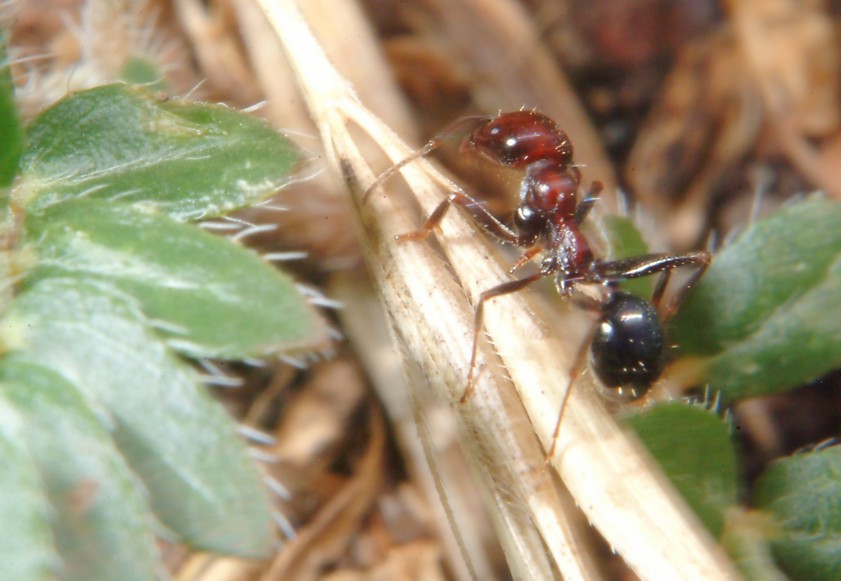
[(451, 130), (477, 211), (525, 259)]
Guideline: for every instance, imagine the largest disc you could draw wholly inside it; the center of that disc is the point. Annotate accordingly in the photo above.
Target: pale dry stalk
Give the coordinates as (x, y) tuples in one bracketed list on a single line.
[(608, 473)]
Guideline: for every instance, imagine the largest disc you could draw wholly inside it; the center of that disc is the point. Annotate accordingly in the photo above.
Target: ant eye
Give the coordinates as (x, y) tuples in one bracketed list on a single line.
[(526, 220)]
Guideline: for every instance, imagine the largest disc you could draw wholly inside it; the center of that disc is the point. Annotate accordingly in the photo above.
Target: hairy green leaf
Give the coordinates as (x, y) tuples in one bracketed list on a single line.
[(201, 482), (11, 134), (119, 144), (694, 448), (803, 494), (27, 552), (746, 539), (761, 317), (98, 507), (216, 299)]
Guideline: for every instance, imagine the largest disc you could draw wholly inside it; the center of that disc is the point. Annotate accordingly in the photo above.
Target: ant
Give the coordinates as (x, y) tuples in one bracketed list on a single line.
[(627, 345)]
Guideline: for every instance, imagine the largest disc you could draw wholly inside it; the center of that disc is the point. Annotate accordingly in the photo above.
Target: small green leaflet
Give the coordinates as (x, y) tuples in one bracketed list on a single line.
[(216, 299), (694, 448), (118, 144), (11, 133), (802, 494), (97, 507), (27, 551), (201, 482), (762, 319)]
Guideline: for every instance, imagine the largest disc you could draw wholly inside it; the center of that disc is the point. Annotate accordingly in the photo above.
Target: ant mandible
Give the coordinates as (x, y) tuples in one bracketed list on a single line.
[(627, 347)]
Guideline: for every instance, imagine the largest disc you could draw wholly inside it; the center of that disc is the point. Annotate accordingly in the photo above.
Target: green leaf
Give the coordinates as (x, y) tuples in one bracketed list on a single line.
[(746, 539), (201, 482), (142, 71), (119, 144), (803, 494), (11, 134), (761, 317), (694, 448), (623, 241), (100, 516), (215, 298), (26, 550)]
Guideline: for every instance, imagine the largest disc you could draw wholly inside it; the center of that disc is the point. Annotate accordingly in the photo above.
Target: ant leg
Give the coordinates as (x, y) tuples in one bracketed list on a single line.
[(590, 304), (588, 202), (434, 219), (646, 265), (681, 295), (652, 264), (479, 316), (660, 288), (477, 211), (525, 259), (428, 148)]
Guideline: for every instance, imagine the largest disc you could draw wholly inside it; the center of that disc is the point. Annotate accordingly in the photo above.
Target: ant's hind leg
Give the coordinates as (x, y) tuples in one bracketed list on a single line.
[(660, 288), (650, 264), (578, 365), (681, 295)]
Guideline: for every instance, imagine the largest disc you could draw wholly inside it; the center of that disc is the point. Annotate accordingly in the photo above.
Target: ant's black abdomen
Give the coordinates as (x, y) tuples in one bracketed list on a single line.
[(628, 349)]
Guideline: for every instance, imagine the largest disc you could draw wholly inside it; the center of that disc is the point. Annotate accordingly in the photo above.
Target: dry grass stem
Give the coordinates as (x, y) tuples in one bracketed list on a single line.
[(609, 475)]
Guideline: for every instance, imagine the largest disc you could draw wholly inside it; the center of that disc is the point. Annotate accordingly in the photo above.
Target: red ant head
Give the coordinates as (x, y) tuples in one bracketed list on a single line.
[(517, 139)]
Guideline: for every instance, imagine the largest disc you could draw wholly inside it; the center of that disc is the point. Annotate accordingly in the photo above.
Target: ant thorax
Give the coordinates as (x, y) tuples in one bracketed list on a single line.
[(568, 249)]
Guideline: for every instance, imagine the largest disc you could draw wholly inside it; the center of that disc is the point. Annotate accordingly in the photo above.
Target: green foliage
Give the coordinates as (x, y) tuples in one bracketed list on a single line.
[(92, 493), (179, 274), (141, 71), (118, 143), (762, 320), (10, 129), (161, 418), (803, 494), (106, 432), (694, 448), (762, 315), (624, 241), (27, 550)]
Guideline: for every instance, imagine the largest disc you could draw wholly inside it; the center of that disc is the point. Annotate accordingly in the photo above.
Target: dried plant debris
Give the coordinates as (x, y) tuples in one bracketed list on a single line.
[(707, 119), (764, 85), (712, 113)]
